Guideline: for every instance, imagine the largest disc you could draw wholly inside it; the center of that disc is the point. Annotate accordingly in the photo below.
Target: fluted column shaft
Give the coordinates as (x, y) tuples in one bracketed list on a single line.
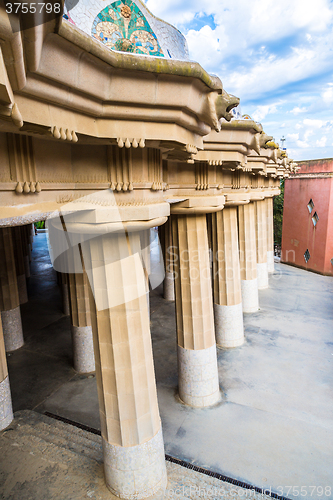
[(26, 250), (19, 264), (134, 461), (9, 296), (82, 336), (6, 410), (261, 234), (270, 235), (248, 257), (197, 361), (228, 311), (63, 281), (145, 252), (169, 280)]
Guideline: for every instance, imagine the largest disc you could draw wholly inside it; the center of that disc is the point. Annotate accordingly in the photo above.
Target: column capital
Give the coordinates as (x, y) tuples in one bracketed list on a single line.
[(197, 205)]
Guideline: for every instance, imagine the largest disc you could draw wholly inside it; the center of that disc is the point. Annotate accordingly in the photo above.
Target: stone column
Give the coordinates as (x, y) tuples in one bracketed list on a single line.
[(29, 239), (32, 234), (134, 460), (19, 264), (82, 336), (197, 360), (25, 247), (261, 233), (9, 296), (248, 257), (169, 280), (63, 278), (270, 235), (6, 410), (145, 254), (209, 218), (228, 310)]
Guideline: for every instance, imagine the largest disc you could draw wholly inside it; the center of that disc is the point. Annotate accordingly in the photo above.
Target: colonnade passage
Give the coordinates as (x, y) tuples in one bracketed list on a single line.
[(212, 263), (155, 144)]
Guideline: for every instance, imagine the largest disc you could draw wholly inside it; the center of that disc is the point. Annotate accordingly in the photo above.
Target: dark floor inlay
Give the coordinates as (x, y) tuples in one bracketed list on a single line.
[(177, 461), (223, 478)]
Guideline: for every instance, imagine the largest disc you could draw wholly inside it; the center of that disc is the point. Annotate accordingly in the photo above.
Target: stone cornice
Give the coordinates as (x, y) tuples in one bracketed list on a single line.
[(134, 62), (314, 175)]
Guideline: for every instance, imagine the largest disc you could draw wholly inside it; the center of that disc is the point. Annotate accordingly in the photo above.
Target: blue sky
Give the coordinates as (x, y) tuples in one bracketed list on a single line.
[(276, 56)]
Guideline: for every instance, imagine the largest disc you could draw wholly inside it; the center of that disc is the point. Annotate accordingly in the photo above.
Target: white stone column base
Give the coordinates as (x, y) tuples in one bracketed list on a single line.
[(250, 298), (6, 409), (135, 472), (270, 261), (27, 266), (169, 286), (65, 300), (229, 328), (198, 376), (12, 329), (262, 276), (83, 349), (22, 289)]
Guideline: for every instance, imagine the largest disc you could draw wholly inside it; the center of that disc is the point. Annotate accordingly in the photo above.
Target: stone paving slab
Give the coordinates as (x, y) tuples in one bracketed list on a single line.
[(44, 459)]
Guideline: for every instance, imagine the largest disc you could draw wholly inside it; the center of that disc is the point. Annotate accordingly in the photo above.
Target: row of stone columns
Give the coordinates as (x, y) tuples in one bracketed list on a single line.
[(14, 269), (115, 283), (248, 228), (6, 410), (9, 294), (210, 312), (206, 315)]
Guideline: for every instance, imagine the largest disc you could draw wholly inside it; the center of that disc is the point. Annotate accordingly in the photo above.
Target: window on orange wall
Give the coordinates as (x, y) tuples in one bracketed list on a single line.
[(310, 206), (315, 218)]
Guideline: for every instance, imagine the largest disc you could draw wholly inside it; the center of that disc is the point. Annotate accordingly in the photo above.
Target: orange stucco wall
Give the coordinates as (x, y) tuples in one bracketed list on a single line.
[(313, 181)]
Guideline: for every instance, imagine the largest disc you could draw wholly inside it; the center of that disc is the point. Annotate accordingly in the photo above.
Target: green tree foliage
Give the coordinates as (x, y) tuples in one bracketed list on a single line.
[(278, 215)]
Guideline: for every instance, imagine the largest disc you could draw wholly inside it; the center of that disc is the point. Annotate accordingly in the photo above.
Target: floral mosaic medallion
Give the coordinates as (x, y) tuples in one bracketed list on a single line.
[(122, 26)]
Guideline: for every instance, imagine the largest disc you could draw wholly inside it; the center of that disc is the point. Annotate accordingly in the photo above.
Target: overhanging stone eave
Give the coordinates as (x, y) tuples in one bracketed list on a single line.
[(250, 125), (175, 126), (123, 60), (167, 85), (237, 155)]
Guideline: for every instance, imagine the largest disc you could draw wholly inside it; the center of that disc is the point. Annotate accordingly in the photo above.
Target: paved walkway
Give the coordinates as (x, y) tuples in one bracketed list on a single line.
[(43, 459), (273, 428)]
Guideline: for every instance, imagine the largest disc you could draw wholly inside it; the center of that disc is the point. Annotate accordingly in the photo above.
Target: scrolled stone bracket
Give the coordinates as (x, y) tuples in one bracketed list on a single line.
[(64, 134), (157, 186), (194, 210), (122, 186), (191, 149), (131, 143), (215, 162), (110, 227), (202, 187), (28, 187)]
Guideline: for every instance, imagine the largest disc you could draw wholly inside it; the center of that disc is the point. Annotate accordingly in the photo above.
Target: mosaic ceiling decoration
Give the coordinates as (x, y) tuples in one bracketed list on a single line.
[(122, 26)]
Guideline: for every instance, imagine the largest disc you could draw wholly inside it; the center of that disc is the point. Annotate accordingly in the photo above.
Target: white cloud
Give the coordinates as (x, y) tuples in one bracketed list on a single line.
[(297, 110), (309, 122), (281, 83), (327, 94), (293, 137), (302, 144), (321, 143), (262, 111), (307, 134), (212, 40)]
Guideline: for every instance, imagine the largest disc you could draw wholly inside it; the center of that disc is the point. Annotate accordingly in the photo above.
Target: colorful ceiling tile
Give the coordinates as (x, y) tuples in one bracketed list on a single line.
[(122, 26)]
